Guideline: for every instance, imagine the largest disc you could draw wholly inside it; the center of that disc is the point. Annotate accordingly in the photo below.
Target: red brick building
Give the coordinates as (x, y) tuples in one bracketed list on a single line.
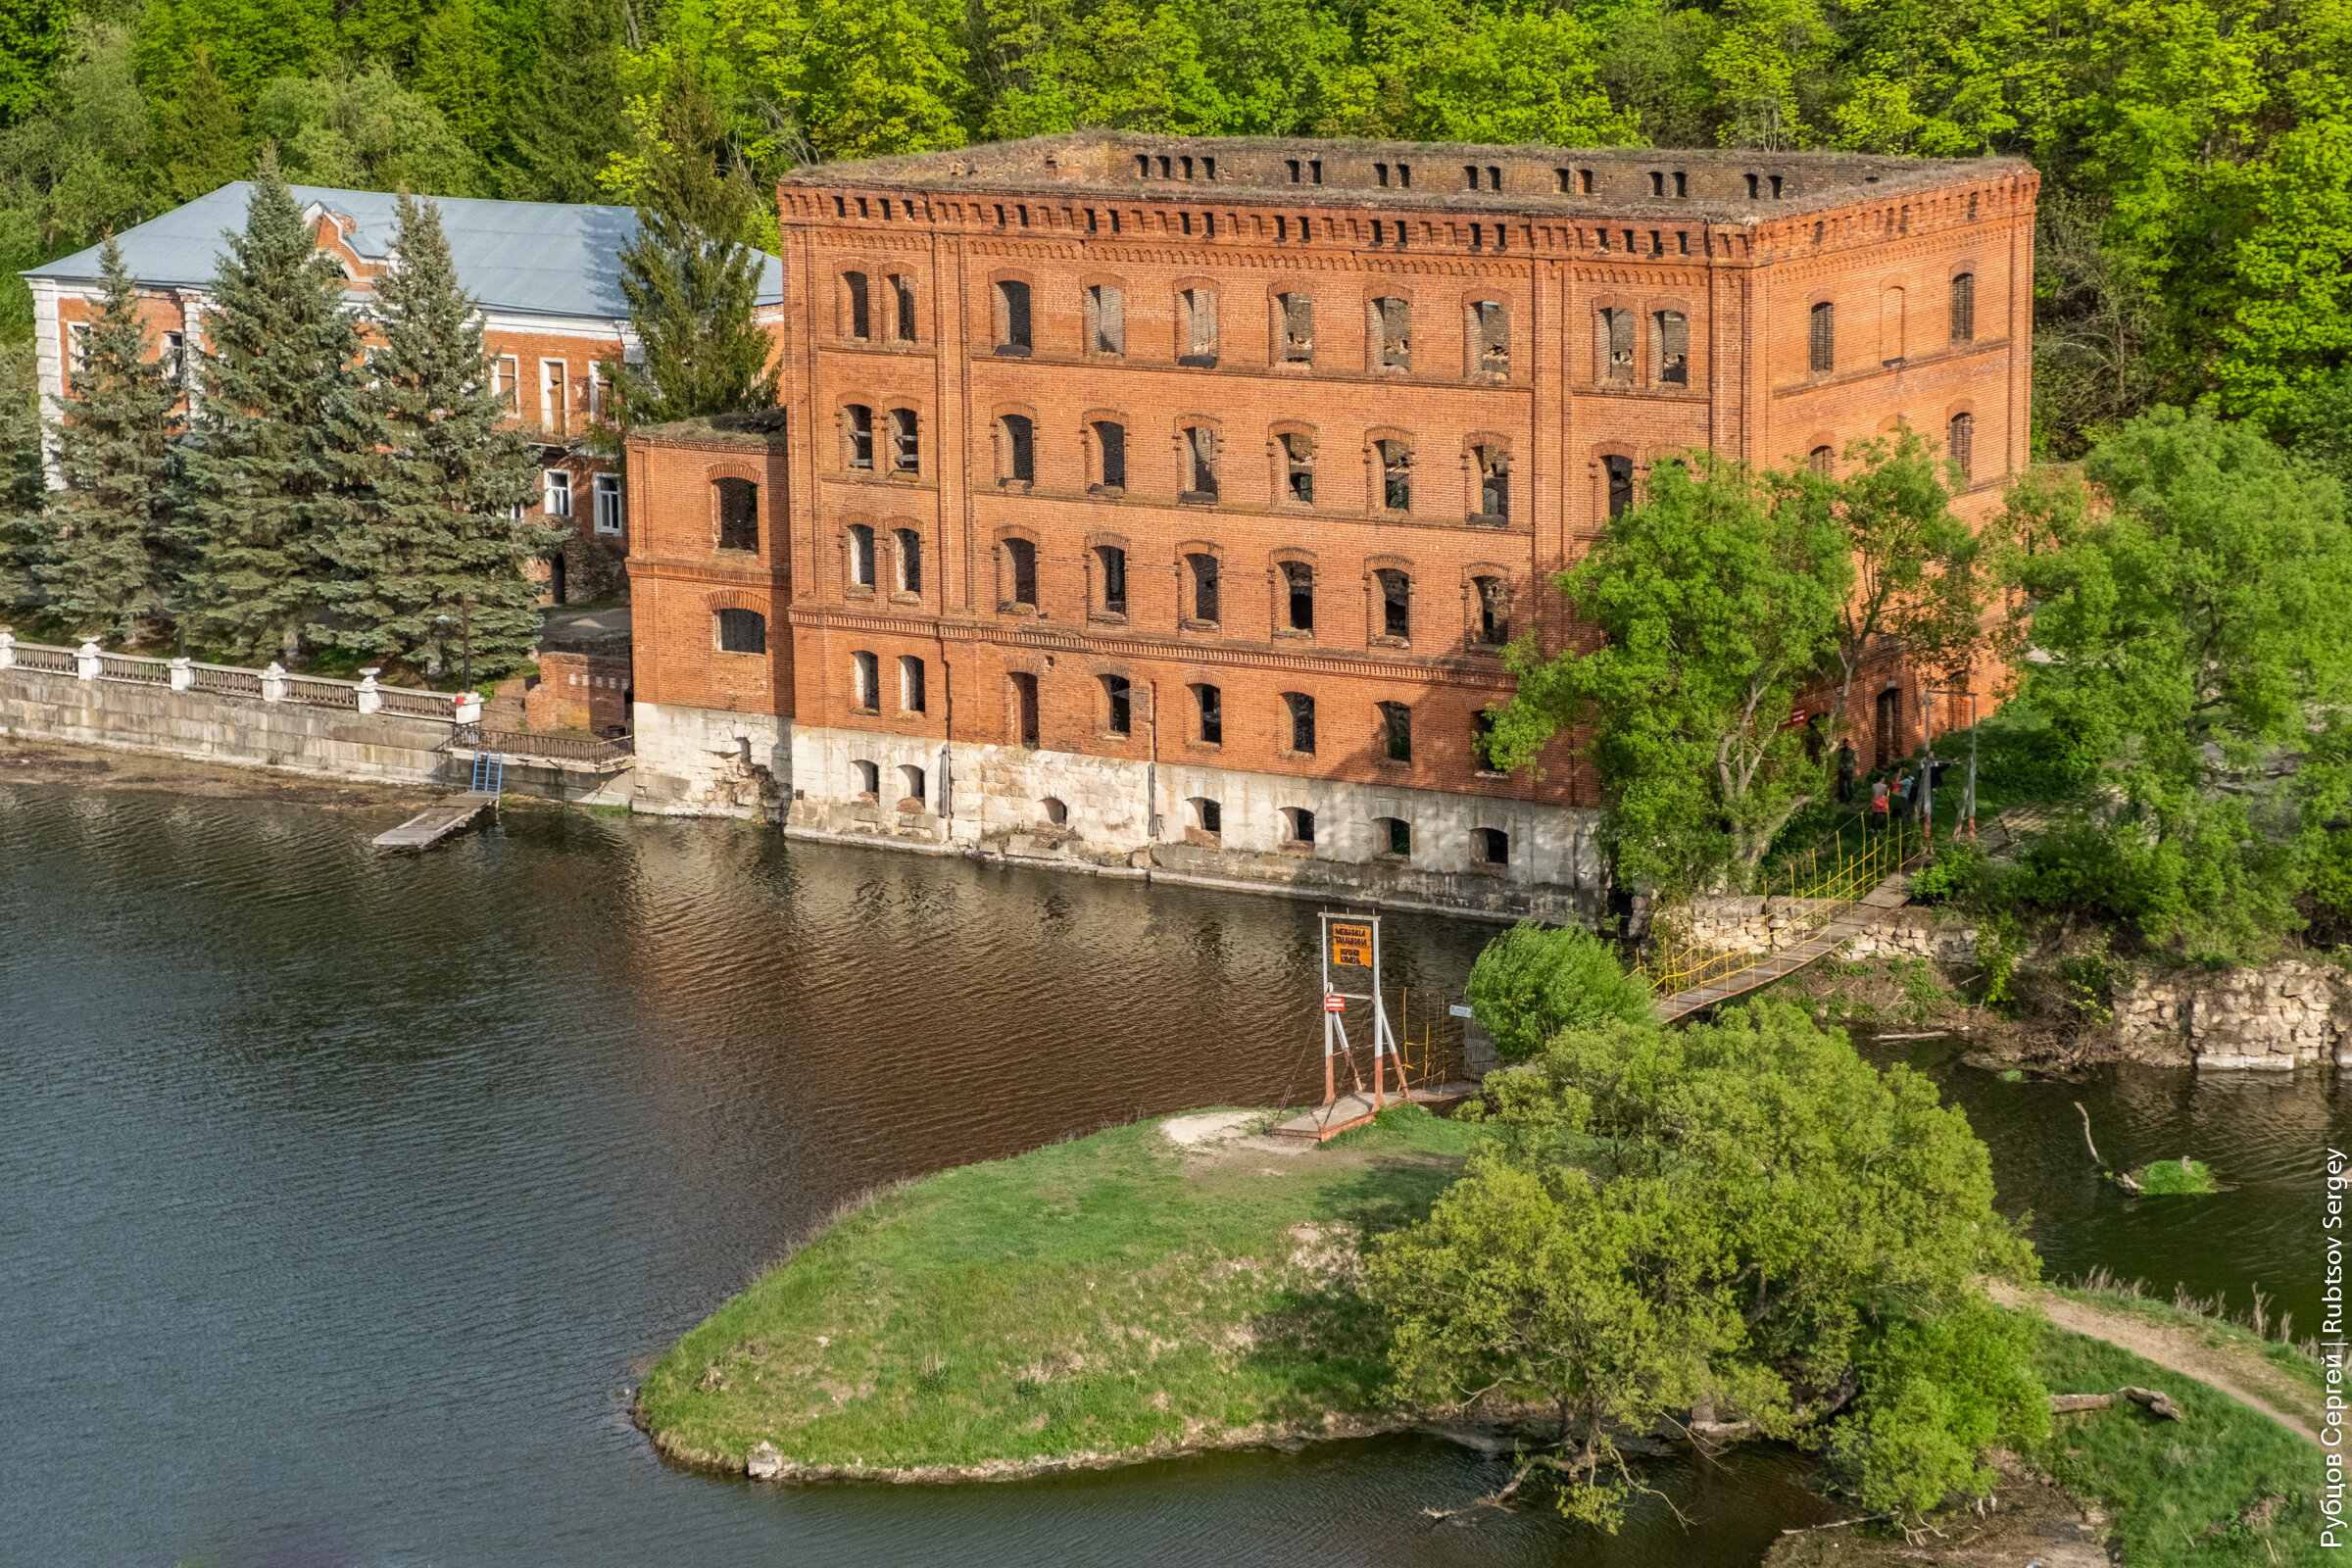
[(552, 314), (1156, 500)]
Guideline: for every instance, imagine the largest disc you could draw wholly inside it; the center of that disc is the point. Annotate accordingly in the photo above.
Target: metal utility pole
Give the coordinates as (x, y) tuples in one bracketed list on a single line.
[(1967, 792)]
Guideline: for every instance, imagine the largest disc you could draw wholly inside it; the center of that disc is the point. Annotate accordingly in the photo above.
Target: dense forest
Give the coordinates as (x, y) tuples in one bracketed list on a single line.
[(2196, 231)]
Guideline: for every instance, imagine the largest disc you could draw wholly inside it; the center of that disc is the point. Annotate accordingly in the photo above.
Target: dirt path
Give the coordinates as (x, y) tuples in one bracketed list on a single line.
[(2239, 1373)]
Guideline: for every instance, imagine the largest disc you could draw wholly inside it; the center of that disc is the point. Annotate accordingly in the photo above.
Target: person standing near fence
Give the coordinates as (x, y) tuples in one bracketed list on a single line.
[(1878, 806)]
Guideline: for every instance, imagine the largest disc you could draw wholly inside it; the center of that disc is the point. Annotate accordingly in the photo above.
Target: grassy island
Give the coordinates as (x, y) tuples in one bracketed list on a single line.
[(1120, 1295)]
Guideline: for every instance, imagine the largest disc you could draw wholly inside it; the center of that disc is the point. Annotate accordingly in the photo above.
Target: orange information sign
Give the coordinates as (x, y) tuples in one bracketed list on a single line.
[(1351, 943)]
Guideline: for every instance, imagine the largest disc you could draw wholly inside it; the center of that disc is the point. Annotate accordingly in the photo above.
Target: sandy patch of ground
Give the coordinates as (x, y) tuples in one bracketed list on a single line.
[(1206, 1129), (2238, 1372), (28, 761)]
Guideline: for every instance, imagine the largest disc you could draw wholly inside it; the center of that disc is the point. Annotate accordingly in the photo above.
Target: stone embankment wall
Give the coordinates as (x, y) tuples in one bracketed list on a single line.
[(1768, 925), (2287, 1014)]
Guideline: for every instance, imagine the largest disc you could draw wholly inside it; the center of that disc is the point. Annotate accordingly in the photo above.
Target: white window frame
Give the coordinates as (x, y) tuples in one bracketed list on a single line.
[(555, 492), (611, 506), (506, 384), (554, 395)]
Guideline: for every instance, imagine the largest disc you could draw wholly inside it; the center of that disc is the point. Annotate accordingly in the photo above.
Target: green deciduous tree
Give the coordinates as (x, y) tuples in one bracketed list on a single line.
[(70, 171), (34, 36), (691, 276), (265, 465), (252, 42), (104, 565), (1730, 1220), (1532, 982), (428, 562), (1718, 601), (199, 135), (361, 132)]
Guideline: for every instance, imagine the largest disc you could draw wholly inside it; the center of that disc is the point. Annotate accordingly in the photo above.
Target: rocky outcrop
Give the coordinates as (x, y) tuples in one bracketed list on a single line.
[(2284, 1015)]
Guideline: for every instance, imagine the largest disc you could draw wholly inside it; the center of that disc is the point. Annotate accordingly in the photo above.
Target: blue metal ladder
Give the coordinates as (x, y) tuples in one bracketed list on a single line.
[(489, 772)]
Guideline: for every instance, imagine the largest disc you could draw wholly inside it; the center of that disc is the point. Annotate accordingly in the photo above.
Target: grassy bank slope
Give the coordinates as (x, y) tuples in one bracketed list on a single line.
[(1114, 1294)]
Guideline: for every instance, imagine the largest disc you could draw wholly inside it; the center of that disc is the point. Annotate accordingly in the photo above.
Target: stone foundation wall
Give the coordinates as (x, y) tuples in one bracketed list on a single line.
[(708, 761), (2287, 1014), (1768, 925)]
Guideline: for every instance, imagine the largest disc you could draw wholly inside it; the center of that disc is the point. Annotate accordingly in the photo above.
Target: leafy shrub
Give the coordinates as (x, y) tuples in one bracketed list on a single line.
[(1936, 1393), (2023, 755), (1952, 876), (1531, 983)]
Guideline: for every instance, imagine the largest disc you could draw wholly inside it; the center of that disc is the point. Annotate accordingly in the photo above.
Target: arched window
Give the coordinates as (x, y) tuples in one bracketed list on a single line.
[(1481, 743), (910, 684), (1493, 466), (1205, 815), (1106, 320), (1617, 345), (1208, 716), (857, 437), (1203, 573), (1396, 474), (1299, 466), (1493, 611), (1020, 450), (1964, 305), (1959, 444), (1298, 590), (1394, 835), (741, 631), (1020, 573), (1823, 460), (1303, 721), (1293, 329), (1489, 339), (862, 556), (1055, 814), (1201, 464), (901, 292), (906, 443), (1396, 603), (1024, 708), (1011, 299), (1821, 341), (738, 515), (866, 779), (1492, 844), (1621, 484), (865, 682), (1110, 456), (857, 306), (1111, 566), (910, 787), (911, 561), (1672, 332), (1391, 334), (1196, 325), (1397, 731), (1297, 825)]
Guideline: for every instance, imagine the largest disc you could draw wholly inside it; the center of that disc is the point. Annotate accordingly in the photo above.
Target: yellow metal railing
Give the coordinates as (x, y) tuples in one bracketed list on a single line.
[(1820, 884)]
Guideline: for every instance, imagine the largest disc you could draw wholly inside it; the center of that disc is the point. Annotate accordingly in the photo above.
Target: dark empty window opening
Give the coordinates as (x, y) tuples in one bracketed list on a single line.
[(1299, 826), (1493, 611), (1393, 330), (741, 631), (861, 322), (1960, 441), (1584, 181), (1106, 320), (1964, 308), (1380, 173), (1314, 167), (862, 556), (1823, 460), (1057, 813), (1493, 466), (1201, 464), (1303, 721), (1752, 188), (1494, 846), (1494, 178), (1396, 603), (1118, 704), (906, 443), (738, 515), (1400, 835), (1658, 183), (1972, 206), (1013, 318), (1165, 170), (1470, 176), (910, 562), (1110, 455), (841, 207), (1295, 329), (1482, 742), (1621, 484), (1396, 475), (1617, 345), (1020, 563), (1208, 709), (1292, 162), (1208, 815), (1299, 466), (865, 680), (1205, 587), (1491, 336), (858, 436), (910, 787), (1024, 708), (1775, 187), (866, 777), (1112, 562), (1298, 585), (1682, 182), (1563, 177), (1673, 331), (1187, 164), (1197, 314), (1823, 340), (910, 688), (1020, 450), (1397, 731), (902, 307)]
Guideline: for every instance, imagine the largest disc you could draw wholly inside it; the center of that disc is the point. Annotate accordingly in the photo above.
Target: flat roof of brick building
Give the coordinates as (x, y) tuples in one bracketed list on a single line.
[(1716, 185)]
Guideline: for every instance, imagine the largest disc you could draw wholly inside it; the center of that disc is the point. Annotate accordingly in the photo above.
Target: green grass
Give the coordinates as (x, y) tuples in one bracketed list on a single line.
[(2208, 1325), (2168, 1178), (1109, 1294), (2168, 1483)]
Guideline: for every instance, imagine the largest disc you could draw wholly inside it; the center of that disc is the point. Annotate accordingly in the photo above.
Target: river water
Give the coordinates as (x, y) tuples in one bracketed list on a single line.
[(343, 1197)]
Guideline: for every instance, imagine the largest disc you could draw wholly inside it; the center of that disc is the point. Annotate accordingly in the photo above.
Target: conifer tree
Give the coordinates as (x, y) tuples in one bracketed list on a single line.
[(429, 563), (200, 134), (23, 486), (264, 464), (104, 563), (690, 275), (566, 116)]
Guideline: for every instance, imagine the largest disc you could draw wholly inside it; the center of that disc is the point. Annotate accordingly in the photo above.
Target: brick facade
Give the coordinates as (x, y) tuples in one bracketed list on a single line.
[(1516, 357)]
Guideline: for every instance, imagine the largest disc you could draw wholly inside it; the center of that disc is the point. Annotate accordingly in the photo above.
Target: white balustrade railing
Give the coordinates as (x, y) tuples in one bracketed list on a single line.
[(270, 685)]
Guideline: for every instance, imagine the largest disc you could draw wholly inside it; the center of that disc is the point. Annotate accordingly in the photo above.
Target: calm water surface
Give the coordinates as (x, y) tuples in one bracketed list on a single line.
[(344, 1197)]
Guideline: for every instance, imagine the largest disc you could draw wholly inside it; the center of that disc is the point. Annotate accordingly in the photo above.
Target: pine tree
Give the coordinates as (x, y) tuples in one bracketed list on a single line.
[(430, 563), (690, 275), (23, 485), (566, 117), (200, 136), (264, 462), (104, 562)]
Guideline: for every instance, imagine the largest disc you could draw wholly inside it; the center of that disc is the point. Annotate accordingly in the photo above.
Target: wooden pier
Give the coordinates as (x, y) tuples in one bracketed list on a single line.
[(434, 823), (1356, 1109)]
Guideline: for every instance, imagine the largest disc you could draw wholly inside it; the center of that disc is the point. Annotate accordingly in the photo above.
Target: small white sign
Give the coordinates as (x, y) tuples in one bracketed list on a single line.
[(1459, 1010)]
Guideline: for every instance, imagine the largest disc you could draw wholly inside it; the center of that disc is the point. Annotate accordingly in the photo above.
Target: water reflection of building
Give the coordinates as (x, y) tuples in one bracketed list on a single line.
[(1144, 501)]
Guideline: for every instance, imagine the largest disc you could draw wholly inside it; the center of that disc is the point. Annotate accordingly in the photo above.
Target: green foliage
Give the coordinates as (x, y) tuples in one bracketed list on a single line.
[(199, 135), (24, 488), (33, 35), (1718, 601), (1732, 1214), (104, 560), (1951, 875), (1936, 1393), (566, 116), (250, 43), (72, 165), (361, 132), (1530, 983), (265, 469), (690, 275), (428, 562), (2182, 1177)]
